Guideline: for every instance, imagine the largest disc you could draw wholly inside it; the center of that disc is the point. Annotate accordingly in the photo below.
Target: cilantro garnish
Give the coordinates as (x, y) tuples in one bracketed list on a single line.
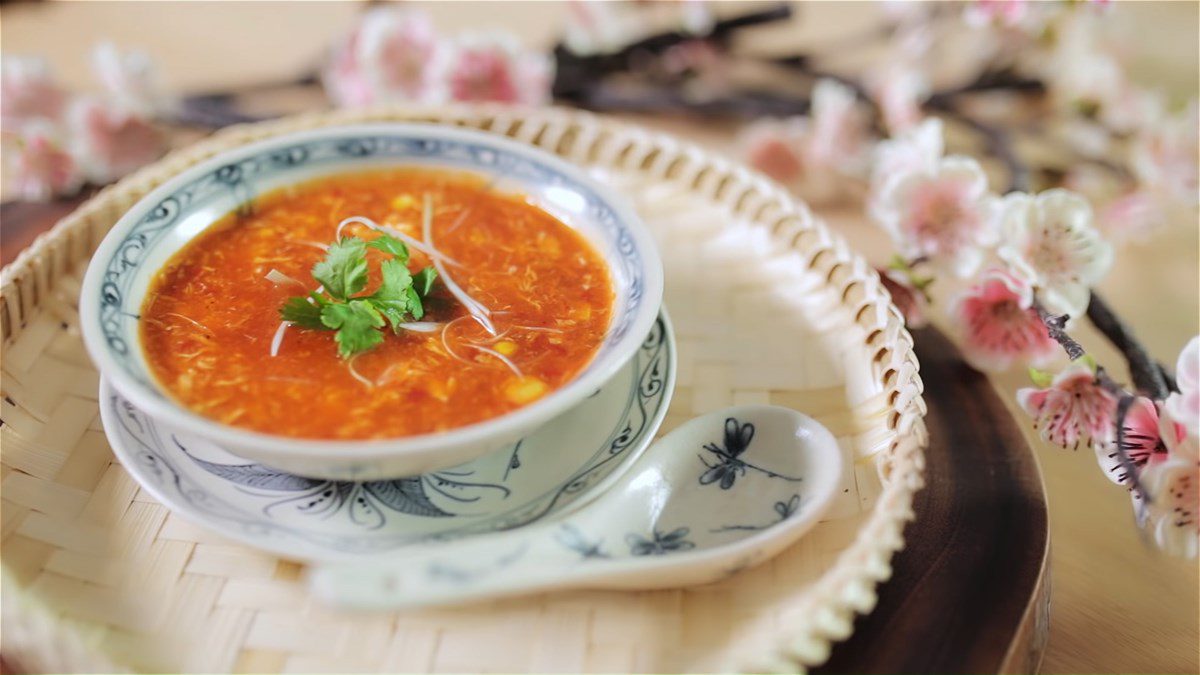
[(359, 319)]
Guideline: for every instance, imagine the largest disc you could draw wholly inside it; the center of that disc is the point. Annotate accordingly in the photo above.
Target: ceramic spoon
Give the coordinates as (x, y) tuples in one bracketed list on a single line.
[(722, 492)]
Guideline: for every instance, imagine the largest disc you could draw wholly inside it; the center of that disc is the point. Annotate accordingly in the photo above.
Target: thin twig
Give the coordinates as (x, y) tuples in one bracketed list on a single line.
[(1056, 327)]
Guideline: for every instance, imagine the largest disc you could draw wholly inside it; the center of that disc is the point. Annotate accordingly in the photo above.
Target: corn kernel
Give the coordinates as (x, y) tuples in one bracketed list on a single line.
[(403, 202), (506, 347), (441, 390), (525, 389)]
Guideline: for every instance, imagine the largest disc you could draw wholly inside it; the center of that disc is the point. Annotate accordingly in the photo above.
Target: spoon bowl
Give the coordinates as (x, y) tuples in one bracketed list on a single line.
[(722, 492)]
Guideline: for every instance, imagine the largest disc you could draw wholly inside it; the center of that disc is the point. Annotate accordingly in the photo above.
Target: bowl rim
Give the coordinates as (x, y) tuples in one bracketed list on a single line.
[(428, 444)]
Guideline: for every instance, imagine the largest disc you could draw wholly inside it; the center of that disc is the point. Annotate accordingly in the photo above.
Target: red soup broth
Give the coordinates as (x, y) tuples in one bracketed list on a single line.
[(211, 315)]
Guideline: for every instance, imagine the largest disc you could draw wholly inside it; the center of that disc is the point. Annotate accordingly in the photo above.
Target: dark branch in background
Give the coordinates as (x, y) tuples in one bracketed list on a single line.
[(803, 64), (996, 142), (199, 113), (745, 104), (575, 75), (1148, 375), (988, 80)]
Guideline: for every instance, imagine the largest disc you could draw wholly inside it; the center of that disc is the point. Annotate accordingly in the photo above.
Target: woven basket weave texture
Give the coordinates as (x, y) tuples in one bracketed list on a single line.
[(768, 305)]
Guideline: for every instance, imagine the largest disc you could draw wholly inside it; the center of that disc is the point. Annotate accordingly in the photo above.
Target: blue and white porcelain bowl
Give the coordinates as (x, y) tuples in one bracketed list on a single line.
[(166, 219)]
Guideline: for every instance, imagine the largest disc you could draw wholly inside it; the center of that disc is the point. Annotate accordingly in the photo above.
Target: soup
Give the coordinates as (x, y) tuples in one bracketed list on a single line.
[(517, 306)]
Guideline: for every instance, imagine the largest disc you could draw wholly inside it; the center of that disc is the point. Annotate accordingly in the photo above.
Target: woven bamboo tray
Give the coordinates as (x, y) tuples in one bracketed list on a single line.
[(769, 306)]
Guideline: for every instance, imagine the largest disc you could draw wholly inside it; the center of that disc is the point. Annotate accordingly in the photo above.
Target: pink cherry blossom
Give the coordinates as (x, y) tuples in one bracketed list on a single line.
[(1172, 511), (813, 153), (131, 81), (1049, 241), (1074, 409), (1164, 156), (1141, 442), (944, 213), (395, 49), (910, 300), (344, 80), (775, 147), (1184, 405), (1133, 216), (492, 67), (999, 326), (28, 91), (41, 167), (386, 59), (111, 141)]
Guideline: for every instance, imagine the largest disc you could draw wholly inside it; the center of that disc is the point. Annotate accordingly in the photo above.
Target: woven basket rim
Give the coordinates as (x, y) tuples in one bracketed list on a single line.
[(834, 600)]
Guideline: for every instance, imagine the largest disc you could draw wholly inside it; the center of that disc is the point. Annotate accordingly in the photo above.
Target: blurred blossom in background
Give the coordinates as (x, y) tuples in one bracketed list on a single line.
[(54, 140)]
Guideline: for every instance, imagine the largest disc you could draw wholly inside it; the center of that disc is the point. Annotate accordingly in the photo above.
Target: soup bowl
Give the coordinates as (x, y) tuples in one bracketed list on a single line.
[(120, 273)]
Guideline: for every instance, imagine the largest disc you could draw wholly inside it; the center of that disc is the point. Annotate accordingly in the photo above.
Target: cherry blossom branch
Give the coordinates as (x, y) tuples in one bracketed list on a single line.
[(1056, 327), (989, 80), (1148, 375)]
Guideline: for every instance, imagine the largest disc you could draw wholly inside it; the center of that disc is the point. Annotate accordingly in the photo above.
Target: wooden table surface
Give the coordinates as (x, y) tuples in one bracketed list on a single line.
[(1118, 606)]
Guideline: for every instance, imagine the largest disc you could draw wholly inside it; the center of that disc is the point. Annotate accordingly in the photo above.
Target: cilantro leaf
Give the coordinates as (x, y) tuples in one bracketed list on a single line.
[(355, 323), (343, 272), (303, 313), (392, 298), (414, 304), (423, 280), (389, 244), (358, 320), (396, 280)]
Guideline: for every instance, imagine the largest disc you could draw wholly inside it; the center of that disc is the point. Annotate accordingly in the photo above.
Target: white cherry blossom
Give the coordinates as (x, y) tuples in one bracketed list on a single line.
[(1050, 241)]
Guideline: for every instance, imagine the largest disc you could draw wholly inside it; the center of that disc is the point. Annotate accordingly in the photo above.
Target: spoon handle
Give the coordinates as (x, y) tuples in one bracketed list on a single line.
[(539, 557)]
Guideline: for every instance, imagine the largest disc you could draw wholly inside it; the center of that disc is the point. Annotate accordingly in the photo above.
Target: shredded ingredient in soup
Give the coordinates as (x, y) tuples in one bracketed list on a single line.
[(376, 305)]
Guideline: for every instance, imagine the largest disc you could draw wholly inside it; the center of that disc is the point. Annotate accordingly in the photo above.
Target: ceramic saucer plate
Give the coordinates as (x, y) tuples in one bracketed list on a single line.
[(559, 467)]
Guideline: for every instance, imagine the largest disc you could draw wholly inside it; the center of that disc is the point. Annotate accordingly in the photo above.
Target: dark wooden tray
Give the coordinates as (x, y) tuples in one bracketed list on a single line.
[(970, 592)]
